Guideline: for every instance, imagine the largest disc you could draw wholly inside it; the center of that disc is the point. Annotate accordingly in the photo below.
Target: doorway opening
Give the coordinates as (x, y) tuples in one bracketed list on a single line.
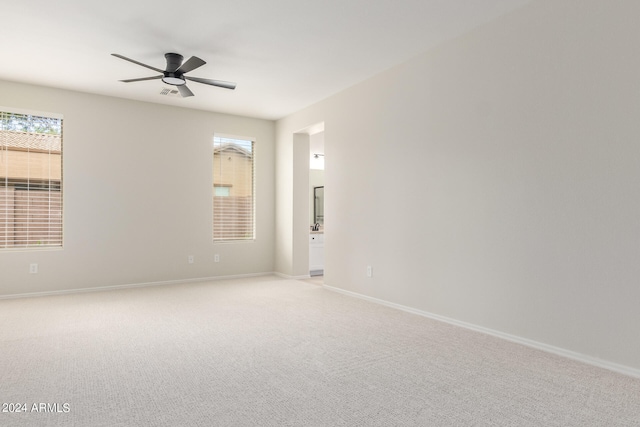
[(316, 204)]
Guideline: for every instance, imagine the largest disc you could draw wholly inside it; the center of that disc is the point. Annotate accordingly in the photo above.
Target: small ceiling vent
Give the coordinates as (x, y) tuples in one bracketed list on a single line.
[(169, 92)]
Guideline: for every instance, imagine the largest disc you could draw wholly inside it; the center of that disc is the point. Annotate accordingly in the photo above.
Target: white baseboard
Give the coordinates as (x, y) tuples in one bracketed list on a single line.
[(286, 276), (594, 361), (131, 286)]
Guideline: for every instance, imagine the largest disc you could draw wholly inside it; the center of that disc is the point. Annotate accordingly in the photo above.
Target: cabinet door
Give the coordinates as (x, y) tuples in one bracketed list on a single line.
[(316, 252)]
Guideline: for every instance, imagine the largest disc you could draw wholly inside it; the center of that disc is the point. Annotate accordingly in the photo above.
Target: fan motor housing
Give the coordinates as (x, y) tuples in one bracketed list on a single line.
[(174, 60)]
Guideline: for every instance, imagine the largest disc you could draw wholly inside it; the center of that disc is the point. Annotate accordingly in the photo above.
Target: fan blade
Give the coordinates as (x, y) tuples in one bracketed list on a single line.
[(138, 63), (141, 79), (191, 64), (219, 83), (184, 91)]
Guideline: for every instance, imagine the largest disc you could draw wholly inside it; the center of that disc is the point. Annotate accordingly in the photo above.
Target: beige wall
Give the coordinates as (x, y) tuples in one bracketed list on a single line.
[(512, 156), (137, 199)]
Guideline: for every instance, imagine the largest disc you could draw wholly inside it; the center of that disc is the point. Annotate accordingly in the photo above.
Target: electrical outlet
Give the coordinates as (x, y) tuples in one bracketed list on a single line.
[(190, 259), (33, 268), (369, 271), (216, 258)]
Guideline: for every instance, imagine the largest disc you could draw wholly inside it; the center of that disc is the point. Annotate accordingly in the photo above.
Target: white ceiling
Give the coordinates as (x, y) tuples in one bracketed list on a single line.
[(283, 54)]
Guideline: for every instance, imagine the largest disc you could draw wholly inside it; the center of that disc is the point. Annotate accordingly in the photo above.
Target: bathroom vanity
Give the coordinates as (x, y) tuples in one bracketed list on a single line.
[(316, 253)]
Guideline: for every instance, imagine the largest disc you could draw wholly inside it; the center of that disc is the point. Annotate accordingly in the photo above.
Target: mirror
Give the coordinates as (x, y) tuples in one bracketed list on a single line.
[(318, 205)]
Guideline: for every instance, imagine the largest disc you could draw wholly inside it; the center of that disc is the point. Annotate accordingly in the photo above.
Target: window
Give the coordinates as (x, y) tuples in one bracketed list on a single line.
[(222, 191), (233, 183), (30, 180)]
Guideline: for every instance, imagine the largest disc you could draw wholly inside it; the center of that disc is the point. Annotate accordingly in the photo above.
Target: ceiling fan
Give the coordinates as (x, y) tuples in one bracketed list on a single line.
[(174, 73)]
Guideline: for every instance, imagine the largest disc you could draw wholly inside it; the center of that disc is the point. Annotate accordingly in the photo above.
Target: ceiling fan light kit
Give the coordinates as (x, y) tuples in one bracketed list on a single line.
[(173, 80), (174, 73)]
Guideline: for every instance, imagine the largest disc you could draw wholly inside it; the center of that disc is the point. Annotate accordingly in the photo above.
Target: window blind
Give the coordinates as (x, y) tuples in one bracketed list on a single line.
[(30, 180), (233, 195)]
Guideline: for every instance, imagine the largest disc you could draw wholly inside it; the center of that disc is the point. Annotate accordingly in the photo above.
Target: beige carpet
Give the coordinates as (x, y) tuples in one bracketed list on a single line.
[(274, 352)]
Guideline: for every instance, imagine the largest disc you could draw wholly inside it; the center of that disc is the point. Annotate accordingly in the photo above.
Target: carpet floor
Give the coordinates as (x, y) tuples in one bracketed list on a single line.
[(267, 351)]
